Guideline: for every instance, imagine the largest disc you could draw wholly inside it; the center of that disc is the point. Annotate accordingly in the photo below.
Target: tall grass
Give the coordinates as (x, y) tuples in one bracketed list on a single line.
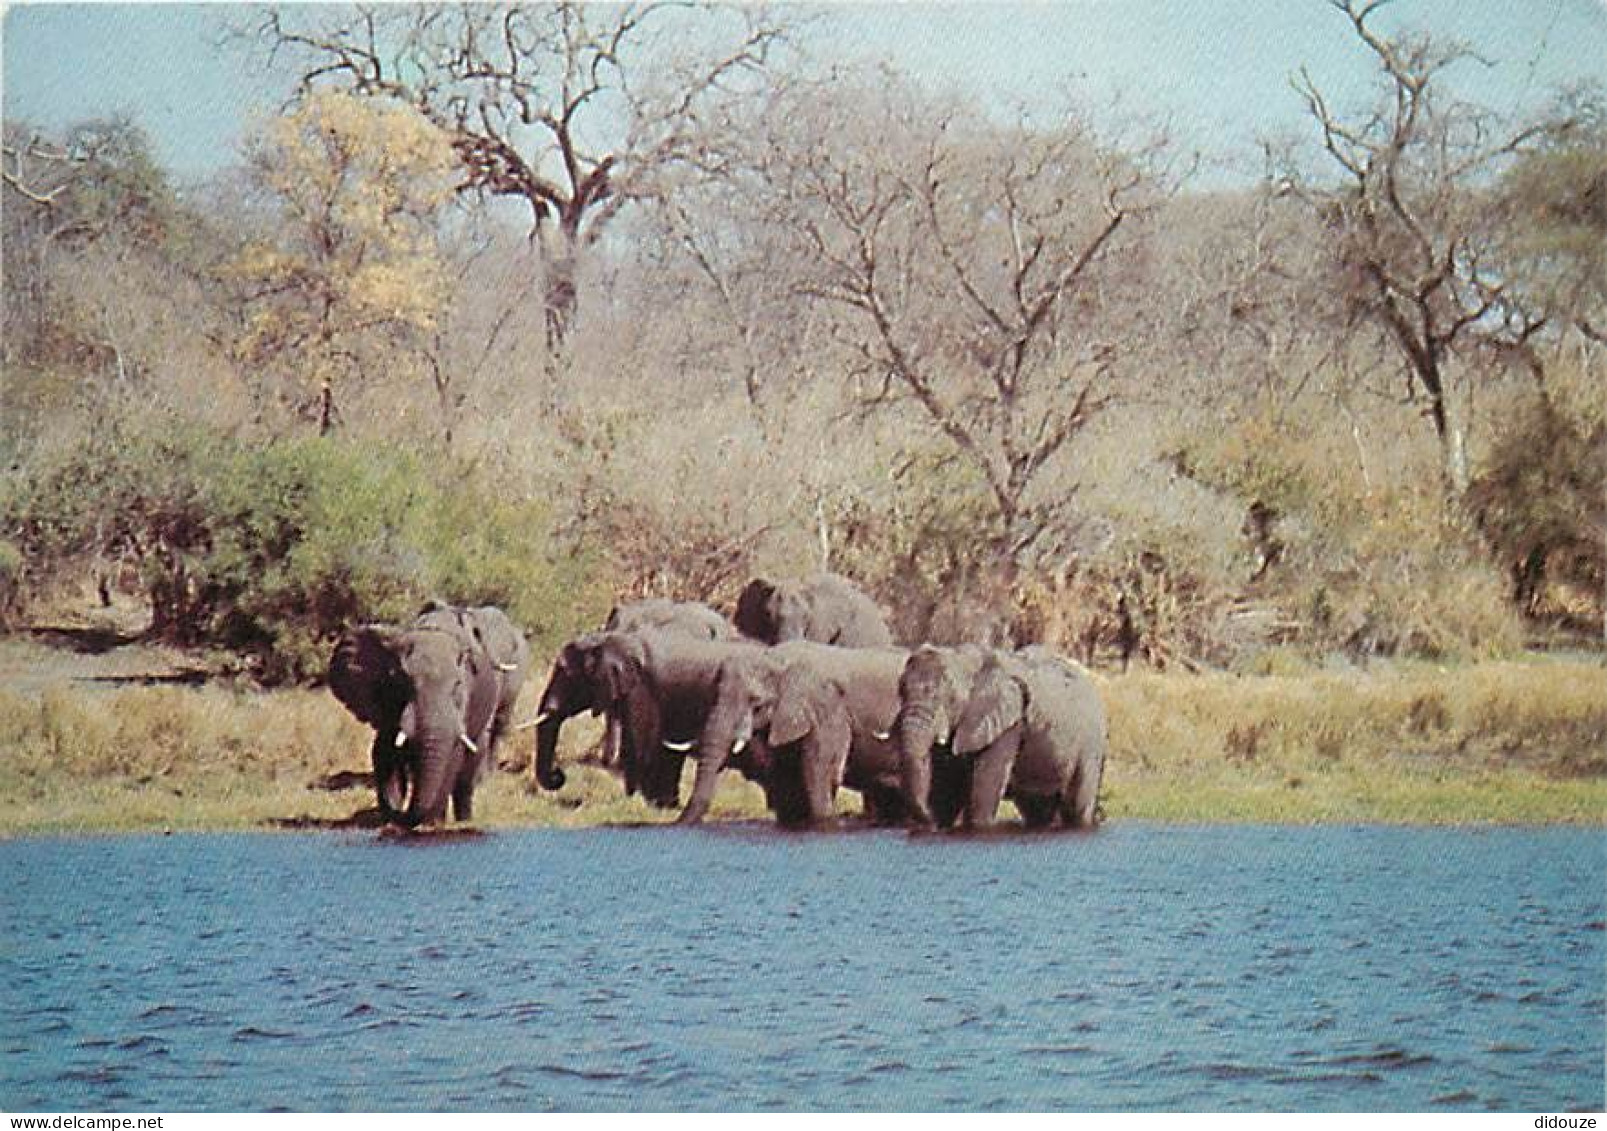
[(1498, 742), (143, 758), (1504, 742)]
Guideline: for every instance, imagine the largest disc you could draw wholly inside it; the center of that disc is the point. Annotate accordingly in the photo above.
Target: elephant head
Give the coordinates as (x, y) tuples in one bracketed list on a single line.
[(770, 613), (935, 691), (792, 724), (571, 689), (429, 692), (605, 673)]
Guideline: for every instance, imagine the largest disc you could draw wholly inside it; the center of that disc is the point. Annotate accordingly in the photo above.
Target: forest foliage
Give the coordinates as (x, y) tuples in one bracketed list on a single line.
[(644, 301)]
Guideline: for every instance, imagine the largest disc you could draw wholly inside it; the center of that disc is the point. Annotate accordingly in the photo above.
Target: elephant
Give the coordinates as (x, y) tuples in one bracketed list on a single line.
[(438, 694), (689, 618), (825, 608), (808, 718), (659, 684), (1026, 724)]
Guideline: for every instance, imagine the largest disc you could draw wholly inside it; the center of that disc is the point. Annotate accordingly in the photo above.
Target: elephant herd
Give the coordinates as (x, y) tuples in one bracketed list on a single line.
[(803, 692)]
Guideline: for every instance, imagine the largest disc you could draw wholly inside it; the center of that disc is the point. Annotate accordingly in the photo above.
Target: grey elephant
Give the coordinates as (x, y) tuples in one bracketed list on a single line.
[(825, 608), (688, 618), (808, 718), (1025, 724), (439, 694), (658, 684)]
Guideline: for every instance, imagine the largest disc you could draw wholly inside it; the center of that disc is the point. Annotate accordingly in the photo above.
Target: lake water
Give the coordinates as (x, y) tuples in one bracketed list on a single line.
[(1143, 967)]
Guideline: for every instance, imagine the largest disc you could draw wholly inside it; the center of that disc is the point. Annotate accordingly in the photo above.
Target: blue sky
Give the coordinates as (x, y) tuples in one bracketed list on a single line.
[(1217, 68)]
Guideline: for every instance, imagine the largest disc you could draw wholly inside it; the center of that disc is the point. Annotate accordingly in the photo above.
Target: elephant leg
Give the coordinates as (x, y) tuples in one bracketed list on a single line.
[(784, 789), (631, 756), (1078, 806), (884, 806), (951, 785), (664, 787), (390, 774), (1038, 811), (463, 799), (475, 766), (990, 776)]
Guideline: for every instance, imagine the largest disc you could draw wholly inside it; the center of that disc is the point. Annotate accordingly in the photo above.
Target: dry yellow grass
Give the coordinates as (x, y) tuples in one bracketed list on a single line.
[(1504, 742)]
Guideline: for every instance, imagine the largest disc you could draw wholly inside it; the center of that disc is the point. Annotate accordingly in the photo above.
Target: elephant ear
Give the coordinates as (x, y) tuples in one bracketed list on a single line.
[(801, 704), (365, 674), (753, 617), (997, 703)]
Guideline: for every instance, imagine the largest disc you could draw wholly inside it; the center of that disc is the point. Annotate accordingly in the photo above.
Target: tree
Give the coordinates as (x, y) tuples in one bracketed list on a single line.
[(1412, 240), (980, 274), (63, 195), (353, 274), (1553, 202), (570, 108)]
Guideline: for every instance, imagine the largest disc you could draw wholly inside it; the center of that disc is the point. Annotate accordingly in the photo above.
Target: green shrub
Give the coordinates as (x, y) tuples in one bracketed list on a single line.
[(272, 550)]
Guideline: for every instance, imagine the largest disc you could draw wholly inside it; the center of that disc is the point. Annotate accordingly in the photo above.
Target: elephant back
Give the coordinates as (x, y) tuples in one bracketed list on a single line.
[(869, 678), (843, 614), (686, 617), (501, 639), (366, 676), (1065, 698), (825, 607)]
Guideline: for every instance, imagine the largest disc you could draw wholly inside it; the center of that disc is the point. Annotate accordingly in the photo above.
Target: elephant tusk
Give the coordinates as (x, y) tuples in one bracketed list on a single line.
[(401, 740), (678, 747), (882, 735), (470, 743), (535, 722), (739, 746), (507, 667)]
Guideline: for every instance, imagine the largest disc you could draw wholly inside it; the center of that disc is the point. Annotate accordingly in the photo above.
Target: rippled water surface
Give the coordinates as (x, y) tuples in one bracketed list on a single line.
[(1147, 966)]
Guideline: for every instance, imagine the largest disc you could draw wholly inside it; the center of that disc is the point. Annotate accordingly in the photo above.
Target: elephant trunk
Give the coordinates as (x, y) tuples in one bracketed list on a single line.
[(915, 731), (437, 758), (548, 775)]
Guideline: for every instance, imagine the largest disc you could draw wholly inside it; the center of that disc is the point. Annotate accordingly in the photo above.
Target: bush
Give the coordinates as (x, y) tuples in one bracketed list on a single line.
[(1366, 566), (271, 551), (11, 582), (1541, 504)]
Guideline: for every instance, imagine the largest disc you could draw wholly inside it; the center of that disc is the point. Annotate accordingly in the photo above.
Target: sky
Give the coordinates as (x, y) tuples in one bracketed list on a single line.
[(1217, 70)]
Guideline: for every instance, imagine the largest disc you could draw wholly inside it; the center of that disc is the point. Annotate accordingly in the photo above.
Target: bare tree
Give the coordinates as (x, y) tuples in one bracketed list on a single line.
[(62, 195), (974, 269), (1411, 237), (570, 108)]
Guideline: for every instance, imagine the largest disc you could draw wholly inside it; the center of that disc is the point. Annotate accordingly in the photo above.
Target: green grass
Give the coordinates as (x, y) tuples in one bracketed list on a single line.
[(1495, 742), (1499, 742)]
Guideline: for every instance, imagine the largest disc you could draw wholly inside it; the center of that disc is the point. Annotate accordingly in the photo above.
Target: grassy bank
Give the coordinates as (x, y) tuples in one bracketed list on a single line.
[(1508, 742), (1496, 742)]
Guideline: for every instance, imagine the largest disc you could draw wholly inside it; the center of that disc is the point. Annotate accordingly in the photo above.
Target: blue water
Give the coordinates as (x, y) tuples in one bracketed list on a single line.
[(1144, 967)]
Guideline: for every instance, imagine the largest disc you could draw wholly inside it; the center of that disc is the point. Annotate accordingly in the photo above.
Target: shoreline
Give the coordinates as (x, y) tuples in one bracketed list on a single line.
[(1501, 743)]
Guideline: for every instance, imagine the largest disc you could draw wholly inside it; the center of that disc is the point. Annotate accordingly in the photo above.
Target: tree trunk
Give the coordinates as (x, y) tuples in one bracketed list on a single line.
[(560, 299)]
